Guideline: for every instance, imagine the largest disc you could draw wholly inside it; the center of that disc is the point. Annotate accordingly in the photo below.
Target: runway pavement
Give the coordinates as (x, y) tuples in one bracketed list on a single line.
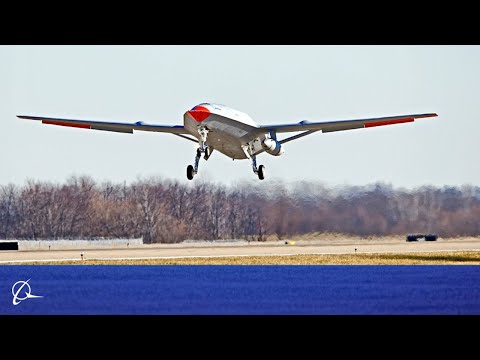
[(230, 249)]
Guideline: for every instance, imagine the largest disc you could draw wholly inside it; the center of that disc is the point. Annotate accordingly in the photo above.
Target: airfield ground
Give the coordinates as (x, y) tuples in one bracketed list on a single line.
[(330, 250)]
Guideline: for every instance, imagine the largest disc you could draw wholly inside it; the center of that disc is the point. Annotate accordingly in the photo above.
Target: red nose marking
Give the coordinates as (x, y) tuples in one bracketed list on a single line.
[(199, 113)]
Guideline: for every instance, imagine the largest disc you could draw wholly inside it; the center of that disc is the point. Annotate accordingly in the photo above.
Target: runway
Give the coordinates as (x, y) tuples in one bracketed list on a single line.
[(232, 249)]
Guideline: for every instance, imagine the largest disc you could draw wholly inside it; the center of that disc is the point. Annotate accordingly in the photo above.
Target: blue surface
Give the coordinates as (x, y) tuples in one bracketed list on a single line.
[(204, 290)]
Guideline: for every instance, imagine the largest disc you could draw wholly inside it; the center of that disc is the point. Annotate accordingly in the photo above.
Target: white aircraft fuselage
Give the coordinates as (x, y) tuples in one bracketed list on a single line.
[(228, 129)]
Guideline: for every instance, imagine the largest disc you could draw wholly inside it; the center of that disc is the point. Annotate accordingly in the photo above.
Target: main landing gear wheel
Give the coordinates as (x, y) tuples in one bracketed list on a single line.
[(190, 172), (249, 154), (261, 172), (208, 152)]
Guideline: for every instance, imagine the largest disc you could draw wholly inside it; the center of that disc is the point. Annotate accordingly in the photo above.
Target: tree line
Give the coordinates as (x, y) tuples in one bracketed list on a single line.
[(160, 210)]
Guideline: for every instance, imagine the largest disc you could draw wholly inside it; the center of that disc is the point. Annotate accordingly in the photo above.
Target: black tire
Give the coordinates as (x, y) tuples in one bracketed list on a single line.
[(261, 172), (431, 237), (190, 172), (208, 152)]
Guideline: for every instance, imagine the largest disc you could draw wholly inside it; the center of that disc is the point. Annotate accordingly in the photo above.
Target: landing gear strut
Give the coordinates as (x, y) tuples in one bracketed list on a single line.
[(260, 170), (203, 148)]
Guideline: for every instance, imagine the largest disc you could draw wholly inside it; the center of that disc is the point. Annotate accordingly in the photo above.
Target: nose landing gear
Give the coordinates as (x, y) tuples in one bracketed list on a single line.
[(192, 170)]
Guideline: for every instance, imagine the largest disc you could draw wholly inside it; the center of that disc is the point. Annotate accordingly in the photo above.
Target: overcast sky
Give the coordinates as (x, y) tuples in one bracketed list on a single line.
[(273, 84)]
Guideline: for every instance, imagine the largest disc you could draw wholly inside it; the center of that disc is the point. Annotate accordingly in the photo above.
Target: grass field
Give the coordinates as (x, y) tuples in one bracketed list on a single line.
[(420, 258)]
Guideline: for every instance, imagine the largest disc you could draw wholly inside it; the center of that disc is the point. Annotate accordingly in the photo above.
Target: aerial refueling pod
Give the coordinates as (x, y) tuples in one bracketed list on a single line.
[(273, 147)]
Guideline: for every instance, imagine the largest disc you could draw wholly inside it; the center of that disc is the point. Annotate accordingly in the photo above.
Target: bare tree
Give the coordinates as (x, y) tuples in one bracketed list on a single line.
[(169, 211), (8, 215)]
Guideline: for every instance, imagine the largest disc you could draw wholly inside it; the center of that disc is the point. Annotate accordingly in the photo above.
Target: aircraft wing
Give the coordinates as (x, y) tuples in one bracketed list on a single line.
[(339, 125), (108, 126)]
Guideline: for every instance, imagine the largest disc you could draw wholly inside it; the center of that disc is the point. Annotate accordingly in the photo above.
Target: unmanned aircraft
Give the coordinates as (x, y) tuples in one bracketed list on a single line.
[(231, 132)]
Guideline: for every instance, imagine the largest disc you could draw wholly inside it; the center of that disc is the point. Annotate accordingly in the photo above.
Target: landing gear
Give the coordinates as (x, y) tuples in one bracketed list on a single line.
[(208, 152), (202, 149), (193, 170), (260, 171), (190, 172)]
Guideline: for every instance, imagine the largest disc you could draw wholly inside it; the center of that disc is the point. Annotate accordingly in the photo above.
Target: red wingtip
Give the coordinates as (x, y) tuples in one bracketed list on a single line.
[(60, 123), (389, 122)]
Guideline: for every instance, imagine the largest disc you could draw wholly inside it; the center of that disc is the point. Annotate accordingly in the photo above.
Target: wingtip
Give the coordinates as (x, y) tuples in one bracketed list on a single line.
[(26, 117), (427, 115)]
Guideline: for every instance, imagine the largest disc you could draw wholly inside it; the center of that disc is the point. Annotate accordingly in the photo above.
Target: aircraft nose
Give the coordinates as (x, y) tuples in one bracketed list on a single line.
[(199, 113)]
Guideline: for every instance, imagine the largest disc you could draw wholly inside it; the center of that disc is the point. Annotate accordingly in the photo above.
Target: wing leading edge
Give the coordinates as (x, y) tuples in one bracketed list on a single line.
[(108, 126), (340, 125)]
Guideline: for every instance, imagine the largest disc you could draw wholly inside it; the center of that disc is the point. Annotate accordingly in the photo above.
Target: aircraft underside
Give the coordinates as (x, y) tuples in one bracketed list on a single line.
[(224, 137)]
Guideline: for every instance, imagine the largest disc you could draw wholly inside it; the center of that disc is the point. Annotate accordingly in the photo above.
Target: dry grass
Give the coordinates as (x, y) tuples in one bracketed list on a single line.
[(346, 238), (339, 238), (419, 258)]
